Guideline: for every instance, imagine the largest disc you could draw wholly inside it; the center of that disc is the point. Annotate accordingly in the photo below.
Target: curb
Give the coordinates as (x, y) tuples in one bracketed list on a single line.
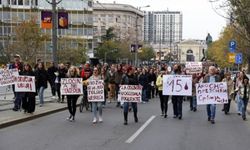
[(28, 118)]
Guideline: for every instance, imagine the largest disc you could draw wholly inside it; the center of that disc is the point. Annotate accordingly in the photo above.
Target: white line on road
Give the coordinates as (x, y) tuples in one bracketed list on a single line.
[(132, 138)]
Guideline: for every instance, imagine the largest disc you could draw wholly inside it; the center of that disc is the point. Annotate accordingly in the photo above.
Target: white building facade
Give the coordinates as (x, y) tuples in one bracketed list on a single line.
[(126, 20), (190, 50), (162, 29)]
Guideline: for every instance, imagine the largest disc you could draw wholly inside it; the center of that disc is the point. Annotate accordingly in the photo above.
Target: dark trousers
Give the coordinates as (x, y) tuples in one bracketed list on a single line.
[(177, 105), (148, 91), (163, 102), (29, 102), (53, 87), (152, 91), (58, 90), (227, 106), (71, 101), (126, 108)]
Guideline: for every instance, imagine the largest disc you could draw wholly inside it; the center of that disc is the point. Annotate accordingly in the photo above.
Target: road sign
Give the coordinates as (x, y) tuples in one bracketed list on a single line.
[(232, 46), (231, 57), (238, 58)]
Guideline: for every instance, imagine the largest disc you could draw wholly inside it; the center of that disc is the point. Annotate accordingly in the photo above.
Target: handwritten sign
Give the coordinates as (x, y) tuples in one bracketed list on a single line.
[(96, 91), (25, 84), (179, 85), (193, 67), (71, 86), (7, 76), (130, 93), (211, 93)]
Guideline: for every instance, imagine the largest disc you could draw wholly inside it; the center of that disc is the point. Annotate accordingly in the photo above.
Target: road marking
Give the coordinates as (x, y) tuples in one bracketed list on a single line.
[(132, 138)]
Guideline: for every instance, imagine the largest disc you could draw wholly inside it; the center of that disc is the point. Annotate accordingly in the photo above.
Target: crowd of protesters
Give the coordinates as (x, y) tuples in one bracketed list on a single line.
[(114, 75)]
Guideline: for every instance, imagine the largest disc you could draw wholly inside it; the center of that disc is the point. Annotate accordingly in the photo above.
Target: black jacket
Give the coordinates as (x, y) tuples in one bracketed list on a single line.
[(41, 78)]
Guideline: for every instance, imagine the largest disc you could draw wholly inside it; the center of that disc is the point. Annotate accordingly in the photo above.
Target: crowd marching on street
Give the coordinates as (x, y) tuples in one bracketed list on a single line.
[(150, 78)]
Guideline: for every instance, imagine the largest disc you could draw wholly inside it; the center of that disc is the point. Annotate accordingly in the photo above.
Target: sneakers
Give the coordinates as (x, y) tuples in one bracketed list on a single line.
[(69, 118), (53, 97), (94, 121), (100, 119)]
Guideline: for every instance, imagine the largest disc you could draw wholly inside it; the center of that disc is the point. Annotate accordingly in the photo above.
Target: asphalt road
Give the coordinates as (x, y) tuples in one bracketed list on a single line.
[(193, 132)]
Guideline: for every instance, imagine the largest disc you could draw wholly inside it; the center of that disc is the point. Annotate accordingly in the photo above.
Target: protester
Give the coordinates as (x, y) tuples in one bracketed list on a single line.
[(61, 73), (29, 99), (111, 80), (17, 95), (176, 99), (129, 79), (96, 106), (73, 72), (51, 78), (193, 100), (152, 78), (41, 81), (244, 92), (239, 82), (230, 91), (118, 79), (144, 81), (163, 98), (210, 78)]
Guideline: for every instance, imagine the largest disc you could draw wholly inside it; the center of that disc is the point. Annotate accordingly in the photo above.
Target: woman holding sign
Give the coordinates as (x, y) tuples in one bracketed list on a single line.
[(73, 72), (29, 99), (129, 79), (176, 99), (96, 104)]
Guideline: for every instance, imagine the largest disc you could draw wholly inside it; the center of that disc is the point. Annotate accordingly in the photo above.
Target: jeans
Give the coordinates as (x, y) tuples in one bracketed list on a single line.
[(96, 105), (40, 94), (18, 99), (126, 106), (193, 102), (177, 105), (239, 104), (144, 95), (211, 109), (53, 87), (244, 107)]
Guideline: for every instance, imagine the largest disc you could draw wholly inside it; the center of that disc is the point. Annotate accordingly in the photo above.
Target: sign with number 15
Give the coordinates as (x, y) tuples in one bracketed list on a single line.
[(178, 85)]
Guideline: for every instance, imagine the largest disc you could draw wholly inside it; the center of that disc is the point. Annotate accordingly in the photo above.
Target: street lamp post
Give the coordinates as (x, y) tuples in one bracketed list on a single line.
[(136, 32), (54, 29)]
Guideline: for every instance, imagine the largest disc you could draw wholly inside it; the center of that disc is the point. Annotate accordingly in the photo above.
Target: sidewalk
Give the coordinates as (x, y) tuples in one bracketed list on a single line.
[(8, 117)]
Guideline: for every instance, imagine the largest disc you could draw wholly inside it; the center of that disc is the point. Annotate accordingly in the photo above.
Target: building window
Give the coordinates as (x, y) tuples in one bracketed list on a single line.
[(20, 2), (26, 2), (190, 56)]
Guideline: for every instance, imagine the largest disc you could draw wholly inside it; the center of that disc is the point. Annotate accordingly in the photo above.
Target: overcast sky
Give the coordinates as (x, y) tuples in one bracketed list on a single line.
[(198, 16)]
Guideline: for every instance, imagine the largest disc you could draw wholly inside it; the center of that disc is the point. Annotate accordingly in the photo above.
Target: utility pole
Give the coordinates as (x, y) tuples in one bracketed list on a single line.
[(54, 29)]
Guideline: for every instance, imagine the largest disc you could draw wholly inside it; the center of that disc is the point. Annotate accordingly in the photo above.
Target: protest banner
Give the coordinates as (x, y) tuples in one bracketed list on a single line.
[(25, 84), (179, 85), (7, 76), (130, 93), (193, 67), (96, 91), (211, 93), (71, 86)]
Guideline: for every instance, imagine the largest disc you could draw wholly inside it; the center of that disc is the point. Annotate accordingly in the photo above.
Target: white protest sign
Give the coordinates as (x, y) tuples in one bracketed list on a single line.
[(71, 86), (7, 76), (211, 93), (179, 85), (25, 84), (96, 91), (193, 67), (130, 93)]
